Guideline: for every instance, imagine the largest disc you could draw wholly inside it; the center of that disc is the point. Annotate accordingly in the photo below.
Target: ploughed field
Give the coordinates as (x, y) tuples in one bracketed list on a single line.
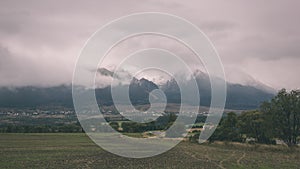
[(65, 150)]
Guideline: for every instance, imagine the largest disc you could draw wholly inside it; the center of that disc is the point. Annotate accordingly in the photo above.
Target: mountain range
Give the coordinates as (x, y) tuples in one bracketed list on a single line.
[(238, 96)]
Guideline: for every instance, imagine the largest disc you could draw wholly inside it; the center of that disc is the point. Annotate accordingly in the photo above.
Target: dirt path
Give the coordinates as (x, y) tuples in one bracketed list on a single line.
[(221, 162), (238, 156), (238, 162), (201, 159)]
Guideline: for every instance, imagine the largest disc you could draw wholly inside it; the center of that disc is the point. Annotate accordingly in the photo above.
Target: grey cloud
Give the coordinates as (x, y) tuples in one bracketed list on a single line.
[(21, 70), (42, 39), (272, 48), (105, 72), (217, 25)]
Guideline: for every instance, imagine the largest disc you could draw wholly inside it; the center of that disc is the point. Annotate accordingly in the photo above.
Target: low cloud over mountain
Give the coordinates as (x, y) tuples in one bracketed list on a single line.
[(238, 96)]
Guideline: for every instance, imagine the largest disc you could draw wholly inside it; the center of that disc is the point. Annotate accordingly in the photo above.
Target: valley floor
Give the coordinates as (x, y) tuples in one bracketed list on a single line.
[(78, 151)]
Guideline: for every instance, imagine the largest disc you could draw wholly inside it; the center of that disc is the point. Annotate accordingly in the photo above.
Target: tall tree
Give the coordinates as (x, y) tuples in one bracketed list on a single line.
[(283, 112), (228, 129), (253, 124)]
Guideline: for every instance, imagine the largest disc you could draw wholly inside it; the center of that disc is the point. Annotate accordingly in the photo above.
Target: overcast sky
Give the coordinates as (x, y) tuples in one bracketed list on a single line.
[(40, 40)]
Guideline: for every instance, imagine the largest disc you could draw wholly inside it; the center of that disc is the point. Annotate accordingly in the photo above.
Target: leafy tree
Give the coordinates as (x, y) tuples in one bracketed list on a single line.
[(165, 121), (114, 125), (283, 112), (228, 129), (134, 127), (253, 124), (194, 138)]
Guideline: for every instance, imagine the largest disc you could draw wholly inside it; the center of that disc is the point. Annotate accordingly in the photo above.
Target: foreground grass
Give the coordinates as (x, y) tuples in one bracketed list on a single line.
[(78, 151)]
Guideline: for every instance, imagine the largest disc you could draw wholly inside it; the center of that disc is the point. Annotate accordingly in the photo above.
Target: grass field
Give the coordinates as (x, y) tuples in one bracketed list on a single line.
[(78, 151)]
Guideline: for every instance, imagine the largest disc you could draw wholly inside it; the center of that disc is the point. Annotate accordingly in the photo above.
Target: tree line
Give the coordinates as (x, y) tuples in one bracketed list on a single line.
[(60, 128), (278, 118)]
